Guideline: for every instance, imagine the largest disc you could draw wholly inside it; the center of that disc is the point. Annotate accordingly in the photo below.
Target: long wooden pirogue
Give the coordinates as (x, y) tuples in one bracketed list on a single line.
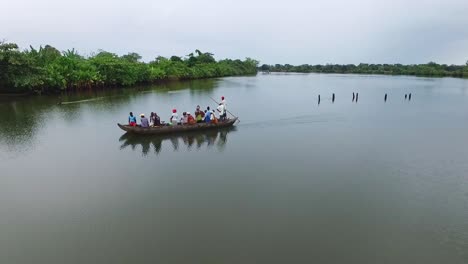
[(175, 129)]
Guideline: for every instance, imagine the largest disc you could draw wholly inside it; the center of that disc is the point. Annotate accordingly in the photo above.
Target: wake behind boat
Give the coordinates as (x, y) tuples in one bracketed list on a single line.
[(159, 130)]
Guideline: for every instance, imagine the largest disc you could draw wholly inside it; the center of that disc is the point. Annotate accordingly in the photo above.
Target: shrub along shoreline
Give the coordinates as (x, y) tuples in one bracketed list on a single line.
[(47, 70), (430, 69)]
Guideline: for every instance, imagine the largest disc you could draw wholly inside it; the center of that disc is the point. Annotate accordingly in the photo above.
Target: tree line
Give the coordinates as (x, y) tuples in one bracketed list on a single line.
[(430, 69), (47, 69)]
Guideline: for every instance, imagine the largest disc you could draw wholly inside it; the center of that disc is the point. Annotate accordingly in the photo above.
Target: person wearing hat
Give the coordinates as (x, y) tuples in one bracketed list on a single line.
[(174, 118), (144, 121)]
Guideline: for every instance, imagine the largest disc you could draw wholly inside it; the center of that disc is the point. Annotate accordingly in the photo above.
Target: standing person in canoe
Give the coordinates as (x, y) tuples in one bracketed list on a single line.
[(222, 111), (174, 118), (132, 120)]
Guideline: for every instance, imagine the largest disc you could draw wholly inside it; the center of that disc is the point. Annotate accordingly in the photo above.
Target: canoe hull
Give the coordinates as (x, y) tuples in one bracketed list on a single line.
[(175, 129)]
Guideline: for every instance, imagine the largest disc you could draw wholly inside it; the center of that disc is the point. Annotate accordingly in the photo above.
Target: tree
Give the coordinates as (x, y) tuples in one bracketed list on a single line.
[(265, 67), (47, 69), (17, 69), (176, 59), (132, 57)]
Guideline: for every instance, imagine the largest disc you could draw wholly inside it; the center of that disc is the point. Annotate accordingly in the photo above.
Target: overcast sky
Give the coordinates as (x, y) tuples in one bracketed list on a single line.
[(294, 31)]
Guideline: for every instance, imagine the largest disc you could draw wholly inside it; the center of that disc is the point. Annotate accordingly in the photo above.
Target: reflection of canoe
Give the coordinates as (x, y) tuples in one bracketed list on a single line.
[(193, 140), (176, 129)]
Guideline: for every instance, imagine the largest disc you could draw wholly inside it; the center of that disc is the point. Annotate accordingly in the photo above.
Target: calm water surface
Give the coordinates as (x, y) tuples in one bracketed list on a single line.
[(294, 182)]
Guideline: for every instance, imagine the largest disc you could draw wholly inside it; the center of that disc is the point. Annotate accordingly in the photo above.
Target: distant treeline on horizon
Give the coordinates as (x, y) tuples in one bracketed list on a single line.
[(48, 70), (430, 69)]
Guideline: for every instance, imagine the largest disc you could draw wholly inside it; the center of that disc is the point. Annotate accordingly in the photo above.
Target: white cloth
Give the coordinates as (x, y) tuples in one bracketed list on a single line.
[(175, 118), (221, 109)]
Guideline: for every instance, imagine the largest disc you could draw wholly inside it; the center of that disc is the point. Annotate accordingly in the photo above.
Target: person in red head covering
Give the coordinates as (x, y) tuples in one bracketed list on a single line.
[(174, 118)]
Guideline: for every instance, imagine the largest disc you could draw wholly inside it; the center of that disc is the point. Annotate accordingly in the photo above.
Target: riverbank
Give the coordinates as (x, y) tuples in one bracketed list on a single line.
[(47, 70), (430, 69)]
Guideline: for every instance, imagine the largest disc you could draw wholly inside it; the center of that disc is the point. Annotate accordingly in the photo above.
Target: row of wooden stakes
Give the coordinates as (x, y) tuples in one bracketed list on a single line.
[(356, 97)]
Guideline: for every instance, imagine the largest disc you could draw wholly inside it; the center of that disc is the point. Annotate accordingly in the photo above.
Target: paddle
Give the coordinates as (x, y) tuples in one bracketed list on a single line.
[(226, 109)]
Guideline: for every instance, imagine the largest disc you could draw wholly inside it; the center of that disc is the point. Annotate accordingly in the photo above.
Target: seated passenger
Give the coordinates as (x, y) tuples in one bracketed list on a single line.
[(184, 118), (199, 115), (157, 120), (144, 121), (151, 119), (190, 119), (207, 116), (154, 120), (132, 120), (214, 120)]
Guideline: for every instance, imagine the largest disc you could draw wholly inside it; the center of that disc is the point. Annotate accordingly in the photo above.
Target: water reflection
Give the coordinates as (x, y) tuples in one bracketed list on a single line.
[(24, 117), (21, 119), (197, 140), (96, 94)]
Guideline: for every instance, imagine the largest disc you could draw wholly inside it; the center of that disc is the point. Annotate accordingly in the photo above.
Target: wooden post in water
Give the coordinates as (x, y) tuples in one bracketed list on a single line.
[(406, 96), (353, 96), (333, 97), (319, 99), (385, 98), (409, 97), (357, 97)]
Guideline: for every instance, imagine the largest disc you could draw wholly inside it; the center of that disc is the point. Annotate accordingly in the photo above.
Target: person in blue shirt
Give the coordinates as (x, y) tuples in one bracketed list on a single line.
[(208, 115), (132, 120)]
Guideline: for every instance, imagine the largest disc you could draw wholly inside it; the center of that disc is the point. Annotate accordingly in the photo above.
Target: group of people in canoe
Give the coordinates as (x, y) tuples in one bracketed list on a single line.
[(200, 116)]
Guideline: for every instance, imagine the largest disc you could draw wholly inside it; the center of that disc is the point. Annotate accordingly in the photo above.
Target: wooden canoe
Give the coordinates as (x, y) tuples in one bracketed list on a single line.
[(175, 129)]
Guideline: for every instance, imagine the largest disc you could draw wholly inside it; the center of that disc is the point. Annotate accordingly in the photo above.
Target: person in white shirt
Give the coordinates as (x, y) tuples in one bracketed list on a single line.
[(222, 111), (184, 119), (174, 118), (213, 118)]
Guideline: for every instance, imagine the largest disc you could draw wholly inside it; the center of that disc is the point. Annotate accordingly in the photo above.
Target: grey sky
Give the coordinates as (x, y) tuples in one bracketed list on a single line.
[(294, 31)]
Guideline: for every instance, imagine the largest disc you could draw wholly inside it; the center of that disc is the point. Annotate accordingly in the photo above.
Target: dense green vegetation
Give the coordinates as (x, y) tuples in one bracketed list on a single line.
[(429, 69), (46, 69)]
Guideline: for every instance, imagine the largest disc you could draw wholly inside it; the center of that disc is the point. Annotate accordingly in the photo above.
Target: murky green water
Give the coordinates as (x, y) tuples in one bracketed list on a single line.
[(294, 182)]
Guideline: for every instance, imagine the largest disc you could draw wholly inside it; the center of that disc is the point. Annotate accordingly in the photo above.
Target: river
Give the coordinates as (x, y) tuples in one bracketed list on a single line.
[(294, 182)]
